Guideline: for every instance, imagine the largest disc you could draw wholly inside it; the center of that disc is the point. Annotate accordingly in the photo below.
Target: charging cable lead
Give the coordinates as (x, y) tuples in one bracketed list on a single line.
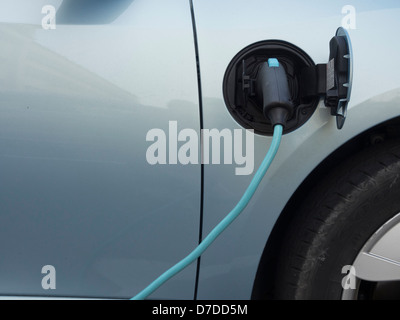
[(209, 239)]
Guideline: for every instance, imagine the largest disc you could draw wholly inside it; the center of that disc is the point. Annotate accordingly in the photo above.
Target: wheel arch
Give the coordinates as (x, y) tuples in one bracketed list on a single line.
[(266, 271)]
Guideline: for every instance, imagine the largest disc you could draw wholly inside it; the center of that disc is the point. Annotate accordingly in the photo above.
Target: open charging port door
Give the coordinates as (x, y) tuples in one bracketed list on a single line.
[(339, 76)]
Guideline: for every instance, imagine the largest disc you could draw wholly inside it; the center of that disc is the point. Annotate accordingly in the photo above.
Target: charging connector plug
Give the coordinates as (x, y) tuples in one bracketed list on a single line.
[(273, 92)]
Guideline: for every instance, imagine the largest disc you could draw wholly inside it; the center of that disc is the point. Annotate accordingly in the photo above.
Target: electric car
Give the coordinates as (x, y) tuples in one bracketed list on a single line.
[(99, 196)]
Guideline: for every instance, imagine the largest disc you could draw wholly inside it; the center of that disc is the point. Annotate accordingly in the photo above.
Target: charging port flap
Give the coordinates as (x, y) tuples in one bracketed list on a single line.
[(333, 80), (339, 76)]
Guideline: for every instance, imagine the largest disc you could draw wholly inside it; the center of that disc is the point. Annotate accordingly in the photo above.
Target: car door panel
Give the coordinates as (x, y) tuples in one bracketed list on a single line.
[(76, 104)]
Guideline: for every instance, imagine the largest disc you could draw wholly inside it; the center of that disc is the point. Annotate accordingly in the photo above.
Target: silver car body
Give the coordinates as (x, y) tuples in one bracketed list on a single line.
[(76, 104)]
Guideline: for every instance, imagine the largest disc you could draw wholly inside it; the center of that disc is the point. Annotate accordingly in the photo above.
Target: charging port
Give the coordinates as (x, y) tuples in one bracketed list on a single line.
[(243, 95), (252, 86)]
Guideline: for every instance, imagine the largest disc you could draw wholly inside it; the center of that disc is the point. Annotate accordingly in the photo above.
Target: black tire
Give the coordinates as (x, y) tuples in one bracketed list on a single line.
[(335, 221)]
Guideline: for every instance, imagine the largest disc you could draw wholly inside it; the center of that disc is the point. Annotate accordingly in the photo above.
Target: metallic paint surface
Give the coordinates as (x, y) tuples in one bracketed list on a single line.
[(76, 104), (229, 267), (76, 190)]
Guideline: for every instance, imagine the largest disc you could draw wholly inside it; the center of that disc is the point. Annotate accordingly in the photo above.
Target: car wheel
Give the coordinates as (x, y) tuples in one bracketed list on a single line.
[(343, 241)]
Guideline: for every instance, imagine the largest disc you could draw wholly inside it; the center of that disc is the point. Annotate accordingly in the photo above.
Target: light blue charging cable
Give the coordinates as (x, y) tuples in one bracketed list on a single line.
[(198, 251)]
